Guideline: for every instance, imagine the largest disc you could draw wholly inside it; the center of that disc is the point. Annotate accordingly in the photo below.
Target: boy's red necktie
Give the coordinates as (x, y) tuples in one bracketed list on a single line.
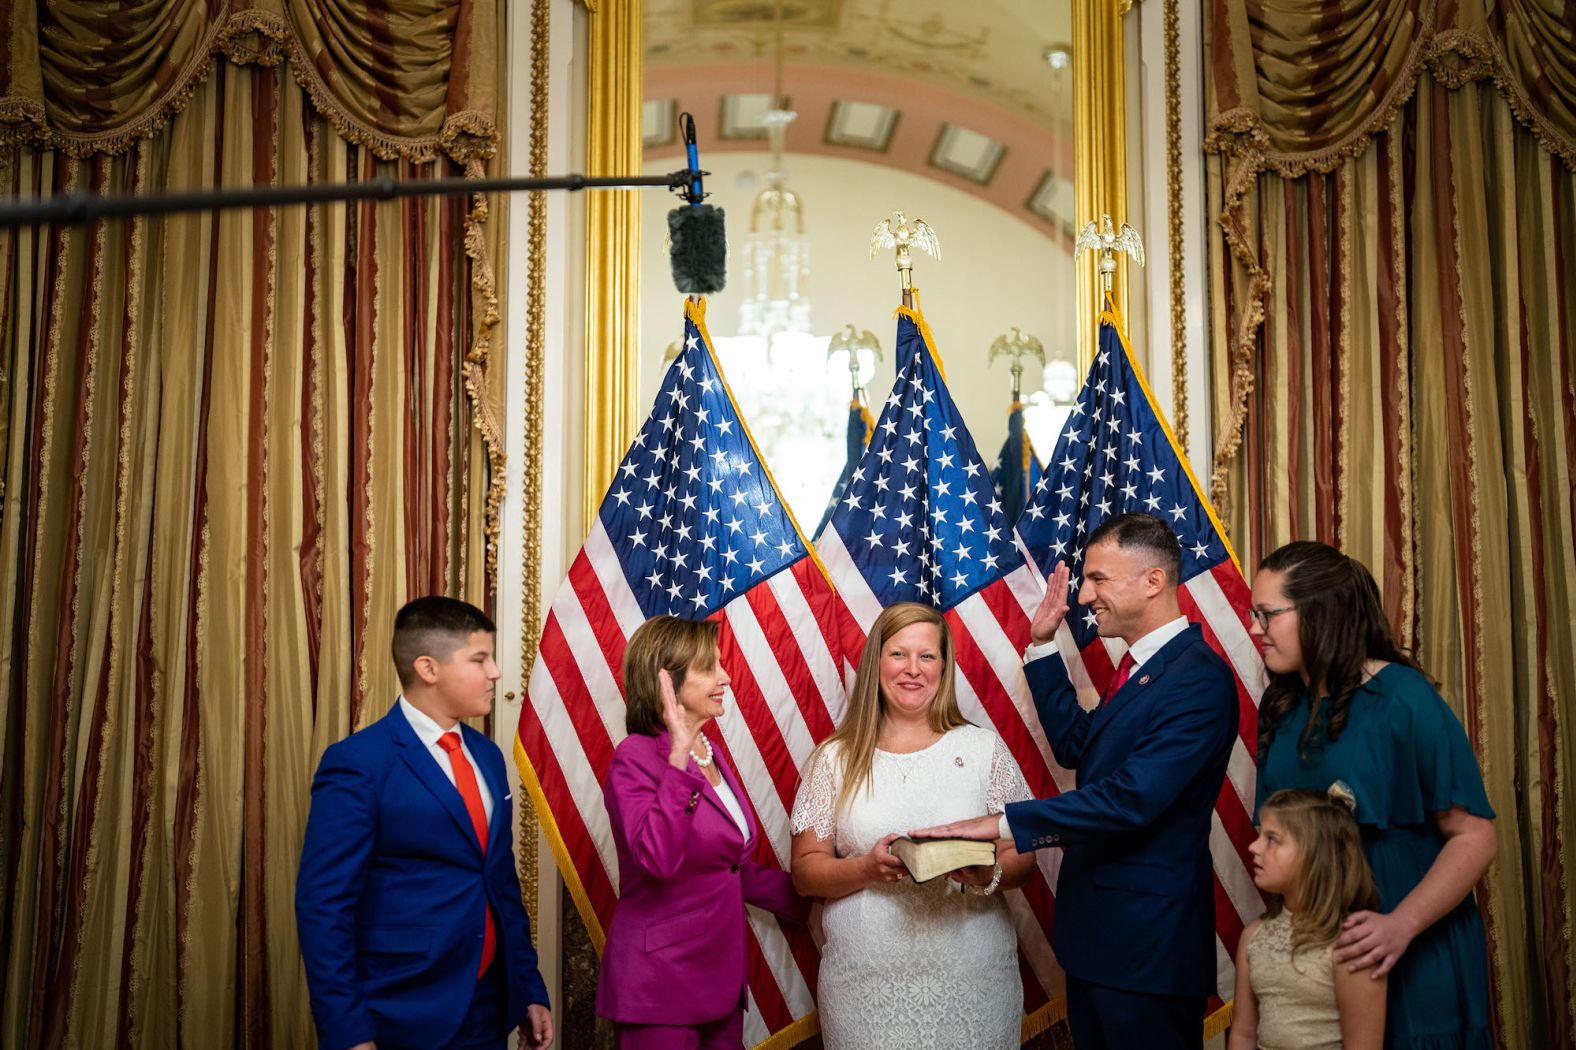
[(465, 780)]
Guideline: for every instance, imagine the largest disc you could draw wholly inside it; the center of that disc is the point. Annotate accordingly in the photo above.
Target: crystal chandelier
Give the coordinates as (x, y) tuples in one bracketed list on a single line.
[(776, 250)]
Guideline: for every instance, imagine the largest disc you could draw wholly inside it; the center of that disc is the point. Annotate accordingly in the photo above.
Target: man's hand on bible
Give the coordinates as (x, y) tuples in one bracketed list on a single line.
[(982, 828)]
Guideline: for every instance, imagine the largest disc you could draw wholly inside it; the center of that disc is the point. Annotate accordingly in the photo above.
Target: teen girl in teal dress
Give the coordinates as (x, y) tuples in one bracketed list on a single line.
[(1375, 721)]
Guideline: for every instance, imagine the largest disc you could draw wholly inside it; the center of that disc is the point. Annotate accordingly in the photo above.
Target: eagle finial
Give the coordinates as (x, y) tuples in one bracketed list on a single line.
[(1102, 238), (1016, 345), (901, 234)]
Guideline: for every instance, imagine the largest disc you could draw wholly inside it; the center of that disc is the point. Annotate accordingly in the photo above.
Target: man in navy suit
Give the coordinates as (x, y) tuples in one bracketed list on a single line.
[(1135, 912), (408, 903)]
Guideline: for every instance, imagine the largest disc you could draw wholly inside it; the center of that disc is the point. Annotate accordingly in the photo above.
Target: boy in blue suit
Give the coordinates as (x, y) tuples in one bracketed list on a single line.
[(407, 901), (1135, 913)]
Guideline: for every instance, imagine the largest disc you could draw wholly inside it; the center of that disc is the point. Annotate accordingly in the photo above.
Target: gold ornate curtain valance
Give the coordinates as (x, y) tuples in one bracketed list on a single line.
[(1298, 85), (413, 79), (1303, 82)]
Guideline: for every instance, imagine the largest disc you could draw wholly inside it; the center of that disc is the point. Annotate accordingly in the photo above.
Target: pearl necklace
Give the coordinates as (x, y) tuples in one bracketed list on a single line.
[(699, 761)]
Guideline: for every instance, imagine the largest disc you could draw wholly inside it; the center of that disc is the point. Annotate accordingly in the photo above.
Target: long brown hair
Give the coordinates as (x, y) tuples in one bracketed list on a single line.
[(1341, 624), (1333, 877), (861, 727)]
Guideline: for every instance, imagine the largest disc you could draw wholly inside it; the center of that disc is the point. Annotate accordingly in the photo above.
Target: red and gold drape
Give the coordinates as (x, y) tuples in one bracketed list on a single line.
[(1393, 184), (231, 445)]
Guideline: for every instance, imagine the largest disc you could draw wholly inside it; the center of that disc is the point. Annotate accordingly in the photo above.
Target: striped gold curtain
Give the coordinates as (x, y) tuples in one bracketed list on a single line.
[(231, 445), (1394, 188)]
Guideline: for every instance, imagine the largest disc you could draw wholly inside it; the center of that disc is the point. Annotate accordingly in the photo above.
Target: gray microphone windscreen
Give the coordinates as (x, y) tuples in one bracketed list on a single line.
[(700, 249)]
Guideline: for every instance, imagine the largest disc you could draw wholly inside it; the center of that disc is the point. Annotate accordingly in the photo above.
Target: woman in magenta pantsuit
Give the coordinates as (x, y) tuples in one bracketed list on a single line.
[(673, 971)]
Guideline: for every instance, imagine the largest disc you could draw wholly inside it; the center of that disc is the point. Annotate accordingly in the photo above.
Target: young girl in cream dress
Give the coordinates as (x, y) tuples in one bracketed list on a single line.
[(1291, 995)]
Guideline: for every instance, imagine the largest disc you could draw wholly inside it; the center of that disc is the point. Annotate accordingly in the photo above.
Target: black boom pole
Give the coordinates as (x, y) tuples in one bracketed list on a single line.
[(79, 208)]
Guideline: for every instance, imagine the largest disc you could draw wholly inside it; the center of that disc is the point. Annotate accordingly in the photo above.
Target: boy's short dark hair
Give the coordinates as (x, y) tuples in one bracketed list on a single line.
[(1137, 529), (433, 626)]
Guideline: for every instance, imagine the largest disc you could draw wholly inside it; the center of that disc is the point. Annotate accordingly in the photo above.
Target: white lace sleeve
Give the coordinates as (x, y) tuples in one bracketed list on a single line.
[(1006, 780), (815, 806)]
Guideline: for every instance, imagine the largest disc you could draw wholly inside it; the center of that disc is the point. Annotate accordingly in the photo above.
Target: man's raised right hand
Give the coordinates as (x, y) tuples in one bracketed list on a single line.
[(1053, 607)]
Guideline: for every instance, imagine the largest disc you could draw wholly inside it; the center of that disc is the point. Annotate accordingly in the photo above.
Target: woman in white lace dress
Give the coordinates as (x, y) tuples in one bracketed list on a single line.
[(904, 964)]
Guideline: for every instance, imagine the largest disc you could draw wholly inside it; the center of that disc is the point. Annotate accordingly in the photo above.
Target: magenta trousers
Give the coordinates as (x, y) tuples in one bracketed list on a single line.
[(725, 1033)]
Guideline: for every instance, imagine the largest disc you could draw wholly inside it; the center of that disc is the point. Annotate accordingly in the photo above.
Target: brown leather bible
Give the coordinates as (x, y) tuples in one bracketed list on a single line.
[(927, 858)]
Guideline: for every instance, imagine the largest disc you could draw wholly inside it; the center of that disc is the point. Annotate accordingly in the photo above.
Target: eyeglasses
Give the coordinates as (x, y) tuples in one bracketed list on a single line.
[(1262, 617)]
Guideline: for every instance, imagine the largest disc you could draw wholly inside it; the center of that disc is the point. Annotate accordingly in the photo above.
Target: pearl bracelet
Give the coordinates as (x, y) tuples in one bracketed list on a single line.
[(990, 888)]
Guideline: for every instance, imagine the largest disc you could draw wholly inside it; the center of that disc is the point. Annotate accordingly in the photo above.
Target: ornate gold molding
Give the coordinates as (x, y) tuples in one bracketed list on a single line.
[(1099, 148), (1172, 28), (529, 860), (612, 318)]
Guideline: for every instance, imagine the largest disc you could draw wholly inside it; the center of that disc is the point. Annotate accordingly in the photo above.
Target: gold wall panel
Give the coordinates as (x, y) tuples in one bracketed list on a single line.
[(612, 302)]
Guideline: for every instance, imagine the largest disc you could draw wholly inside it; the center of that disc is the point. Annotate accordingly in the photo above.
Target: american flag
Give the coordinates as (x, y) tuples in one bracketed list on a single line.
[(1118, 455), (858, 436), (693, 526), (921, 522), (1017, 467)]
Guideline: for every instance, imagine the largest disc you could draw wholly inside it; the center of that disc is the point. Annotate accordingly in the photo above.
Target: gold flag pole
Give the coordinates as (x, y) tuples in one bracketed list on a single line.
[(900, 234), (1099, 147)]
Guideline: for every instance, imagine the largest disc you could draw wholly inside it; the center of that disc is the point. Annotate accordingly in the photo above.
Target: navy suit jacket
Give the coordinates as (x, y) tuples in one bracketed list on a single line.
[(390, 895), (1135, 902)]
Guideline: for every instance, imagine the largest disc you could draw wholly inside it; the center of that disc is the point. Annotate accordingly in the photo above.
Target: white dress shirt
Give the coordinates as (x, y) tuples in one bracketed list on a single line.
[(1141, 651), (428, 732)]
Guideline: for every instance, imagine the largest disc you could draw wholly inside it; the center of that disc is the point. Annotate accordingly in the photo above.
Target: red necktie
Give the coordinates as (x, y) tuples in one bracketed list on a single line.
[(465, 780), (1124, 667)]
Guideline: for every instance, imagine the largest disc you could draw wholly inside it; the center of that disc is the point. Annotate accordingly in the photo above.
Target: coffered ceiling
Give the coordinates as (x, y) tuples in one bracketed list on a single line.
[(977, 95), (990, 50)]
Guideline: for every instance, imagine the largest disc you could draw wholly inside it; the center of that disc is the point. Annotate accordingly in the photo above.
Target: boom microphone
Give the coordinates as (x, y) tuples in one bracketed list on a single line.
[(77, 209), (699, 241)]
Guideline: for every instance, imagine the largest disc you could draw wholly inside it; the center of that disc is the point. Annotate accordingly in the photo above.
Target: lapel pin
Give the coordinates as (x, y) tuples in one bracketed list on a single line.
[(1144, 680)]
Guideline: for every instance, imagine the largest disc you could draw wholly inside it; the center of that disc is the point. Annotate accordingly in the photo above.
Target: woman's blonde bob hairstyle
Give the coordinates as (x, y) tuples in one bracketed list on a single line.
[(861, 727), (662, 643)]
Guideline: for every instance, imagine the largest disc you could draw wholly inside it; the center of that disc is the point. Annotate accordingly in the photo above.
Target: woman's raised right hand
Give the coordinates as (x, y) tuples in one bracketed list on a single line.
[(882, 864), (681, 735)]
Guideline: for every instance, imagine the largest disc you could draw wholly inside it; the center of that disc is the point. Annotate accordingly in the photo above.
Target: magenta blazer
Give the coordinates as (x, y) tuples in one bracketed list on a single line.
[(675, 950)]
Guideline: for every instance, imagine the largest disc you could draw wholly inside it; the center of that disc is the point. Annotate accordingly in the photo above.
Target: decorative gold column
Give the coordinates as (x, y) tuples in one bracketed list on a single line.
[(612, 319), (1099, 149)]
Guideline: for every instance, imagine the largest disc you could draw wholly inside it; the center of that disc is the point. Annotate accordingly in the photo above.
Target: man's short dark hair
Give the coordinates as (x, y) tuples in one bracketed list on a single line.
[(433, 626), (1147, 532)]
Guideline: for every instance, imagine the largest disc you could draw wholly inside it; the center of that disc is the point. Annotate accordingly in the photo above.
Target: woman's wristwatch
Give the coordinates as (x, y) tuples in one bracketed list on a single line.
[(989, 888)]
